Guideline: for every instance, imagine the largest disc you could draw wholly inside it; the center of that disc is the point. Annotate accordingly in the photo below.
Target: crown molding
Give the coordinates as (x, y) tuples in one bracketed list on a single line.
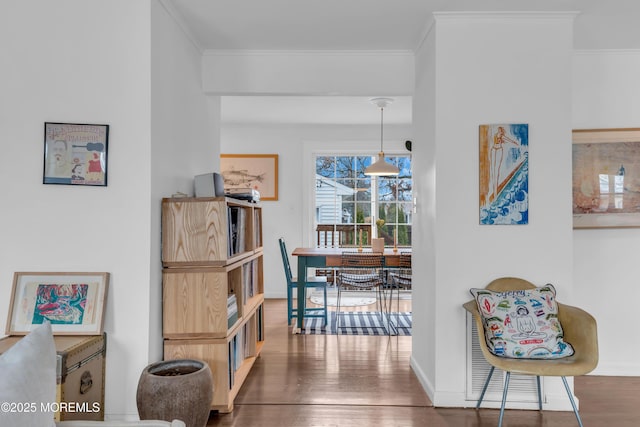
[(525, 15), (425, 34), (450, 16), (599, 52), (351, 53), (171, 10)]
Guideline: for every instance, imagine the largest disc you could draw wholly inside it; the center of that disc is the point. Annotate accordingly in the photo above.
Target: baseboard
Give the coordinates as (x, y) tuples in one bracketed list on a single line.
[(424, 381), (617, 370), (553, 401), (276, 295)]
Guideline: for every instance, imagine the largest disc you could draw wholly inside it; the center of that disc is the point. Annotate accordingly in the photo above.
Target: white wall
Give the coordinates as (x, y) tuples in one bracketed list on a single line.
[(425, 159), (492, 69), (290, 217), (606, 95), (184, 134), (68, 61), (311, 73)]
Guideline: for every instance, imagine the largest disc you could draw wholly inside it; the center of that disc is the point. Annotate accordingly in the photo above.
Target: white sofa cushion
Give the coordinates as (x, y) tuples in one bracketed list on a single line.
[(29, 380)]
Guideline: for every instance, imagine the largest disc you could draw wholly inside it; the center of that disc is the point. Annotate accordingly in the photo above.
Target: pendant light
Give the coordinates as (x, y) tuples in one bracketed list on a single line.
[(380, 167)]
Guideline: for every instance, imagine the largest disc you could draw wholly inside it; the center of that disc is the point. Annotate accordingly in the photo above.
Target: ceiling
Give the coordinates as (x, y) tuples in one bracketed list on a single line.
[(380, 24), (365, 25)]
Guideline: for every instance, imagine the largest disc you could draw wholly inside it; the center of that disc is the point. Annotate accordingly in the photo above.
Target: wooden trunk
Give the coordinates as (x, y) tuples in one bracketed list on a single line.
[(80, 375)]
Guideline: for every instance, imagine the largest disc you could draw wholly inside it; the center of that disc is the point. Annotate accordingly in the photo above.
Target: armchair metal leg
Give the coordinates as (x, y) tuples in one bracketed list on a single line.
[(539, 393), (506, 389), (504, 397), (484, 389), (573, 403)]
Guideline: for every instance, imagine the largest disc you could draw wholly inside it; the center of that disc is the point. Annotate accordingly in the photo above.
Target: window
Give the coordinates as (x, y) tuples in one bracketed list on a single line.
[(350, 204), (612, 184)]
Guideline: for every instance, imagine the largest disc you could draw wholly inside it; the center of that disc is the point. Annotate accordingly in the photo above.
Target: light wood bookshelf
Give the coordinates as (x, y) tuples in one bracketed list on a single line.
[(211, 250)]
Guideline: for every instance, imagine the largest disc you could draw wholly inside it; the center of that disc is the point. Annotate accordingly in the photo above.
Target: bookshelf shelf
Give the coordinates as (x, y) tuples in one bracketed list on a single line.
[(213, 288)]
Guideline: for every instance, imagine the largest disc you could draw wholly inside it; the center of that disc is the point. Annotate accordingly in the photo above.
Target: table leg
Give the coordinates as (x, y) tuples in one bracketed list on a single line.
[(302, 274)]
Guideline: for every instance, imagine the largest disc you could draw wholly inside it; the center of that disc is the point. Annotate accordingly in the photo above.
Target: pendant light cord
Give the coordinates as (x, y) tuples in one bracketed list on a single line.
[(380, 167), (381, 127)]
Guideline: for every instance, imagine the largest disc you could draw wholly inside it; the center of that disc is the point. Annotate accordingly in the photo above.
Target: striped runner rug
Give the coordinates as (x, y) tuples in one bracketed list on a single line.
[(359, 323)]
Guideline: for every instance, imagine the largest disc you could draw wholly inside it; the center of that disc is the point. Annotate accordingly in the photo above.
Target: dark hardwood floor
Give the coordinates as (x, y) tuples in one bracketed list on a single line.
[(316, 380)]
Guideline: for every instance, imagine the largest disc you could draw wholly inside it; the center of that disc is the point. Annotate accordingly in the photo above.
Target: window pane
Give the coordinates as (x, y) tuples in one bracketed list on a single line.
[(404, 164), (383, 210), (394, 213), (404, 213), (386, 189), (326, 166), (386, 232), (327, 212), (344, 167), (362, 162), (363, 212), (405, 189), (348, 211), (404, 235), (363, 190), (345, 190)]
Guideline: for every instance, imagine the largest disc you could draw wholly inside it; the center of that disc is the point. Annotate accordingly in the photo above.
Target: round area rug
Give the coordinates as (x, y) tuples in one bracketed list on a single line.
[(345, 301)]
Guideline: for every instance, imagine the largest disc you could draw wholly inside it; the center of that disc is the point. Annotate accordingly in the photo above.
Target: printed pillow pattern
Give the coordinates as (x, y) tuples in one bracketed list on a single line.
[(522, 324)]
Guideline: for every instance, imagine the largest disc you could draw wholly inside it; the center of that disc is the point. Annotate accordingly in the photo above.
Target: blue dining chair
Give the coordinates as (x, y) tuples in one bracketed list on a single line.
[(292, 286)]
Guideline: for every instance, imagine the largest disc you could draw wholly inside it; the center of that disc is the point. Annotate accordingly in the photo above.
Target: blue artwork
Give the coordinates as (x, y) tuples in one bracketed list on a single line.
[(504, 174)]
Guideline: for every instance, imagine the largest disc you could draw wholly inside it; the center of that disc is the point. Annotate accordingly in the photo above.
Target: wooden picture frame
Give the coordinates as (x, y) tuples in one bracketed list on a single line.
[(606, 178), (255, 171), (74, 303), (75, 154)]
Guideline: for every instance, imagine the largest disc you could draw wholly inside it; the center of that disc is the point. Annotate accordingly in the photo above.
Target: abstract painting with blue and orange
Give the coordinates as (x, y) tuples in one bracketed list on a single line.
[(60, 303), (504, 174)]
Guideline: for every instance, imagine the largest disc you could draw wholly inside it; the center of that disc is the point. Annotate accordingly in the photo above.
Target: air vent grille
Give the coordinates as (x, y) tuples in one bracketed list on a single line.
[(522, 388)]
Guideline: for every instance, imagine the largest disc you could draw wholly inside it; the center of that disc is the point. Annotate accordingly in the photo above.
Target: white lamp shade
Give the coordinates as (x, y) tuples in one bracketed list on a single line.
[(381, 168)]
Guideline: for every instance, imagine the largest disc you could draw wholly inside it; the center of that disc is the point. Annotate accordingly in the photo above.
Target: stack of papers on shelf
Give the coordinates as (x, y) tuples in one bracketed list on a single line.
[(249, 194)]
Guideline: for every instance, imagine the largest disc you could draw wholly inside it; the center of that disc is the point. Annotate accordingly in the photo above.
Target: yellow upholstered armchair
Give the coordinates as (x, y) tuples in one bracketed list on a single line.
[(580, 331)]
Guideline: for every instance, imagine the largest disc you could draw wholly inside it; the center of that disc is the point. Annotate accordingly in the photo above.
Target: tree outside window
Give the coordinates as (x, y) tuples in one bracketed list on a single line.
[(345, 196)]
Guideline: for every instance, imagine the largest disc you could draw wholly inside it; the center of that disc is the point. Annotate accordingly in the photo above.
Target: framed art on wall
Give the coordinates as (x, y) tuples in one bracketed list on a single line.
[(504, 174), (606, 178), (73, 303), (75, 154), (255, 171)]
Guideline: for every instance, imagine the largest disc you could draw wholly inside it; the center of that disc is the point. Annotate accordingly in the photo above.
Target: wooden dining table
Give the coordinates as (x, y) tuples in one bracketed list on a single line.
[(329, 257)]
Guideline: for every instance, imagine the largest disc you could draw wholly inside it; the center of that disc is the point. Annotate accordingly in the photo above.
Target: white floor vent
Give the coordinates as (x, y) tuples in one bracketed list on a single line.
[(522, 388)]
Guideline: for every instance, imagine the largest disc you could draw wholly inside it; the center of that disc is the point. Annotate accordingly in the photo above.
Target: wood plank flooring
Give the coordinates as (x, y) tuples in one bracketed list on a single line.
[(351, 381)]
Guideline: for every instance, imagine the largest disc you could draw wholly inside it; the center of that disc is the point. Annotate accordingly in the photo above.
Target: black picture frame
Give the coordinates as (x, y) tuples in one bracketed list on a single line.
[(75, 154)]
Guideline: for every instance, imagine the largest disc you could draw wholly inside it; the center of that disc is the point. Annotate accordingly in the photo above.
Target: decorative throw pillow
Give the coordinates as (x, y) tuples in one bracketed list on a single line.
[(28, 385), (522, 324)]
